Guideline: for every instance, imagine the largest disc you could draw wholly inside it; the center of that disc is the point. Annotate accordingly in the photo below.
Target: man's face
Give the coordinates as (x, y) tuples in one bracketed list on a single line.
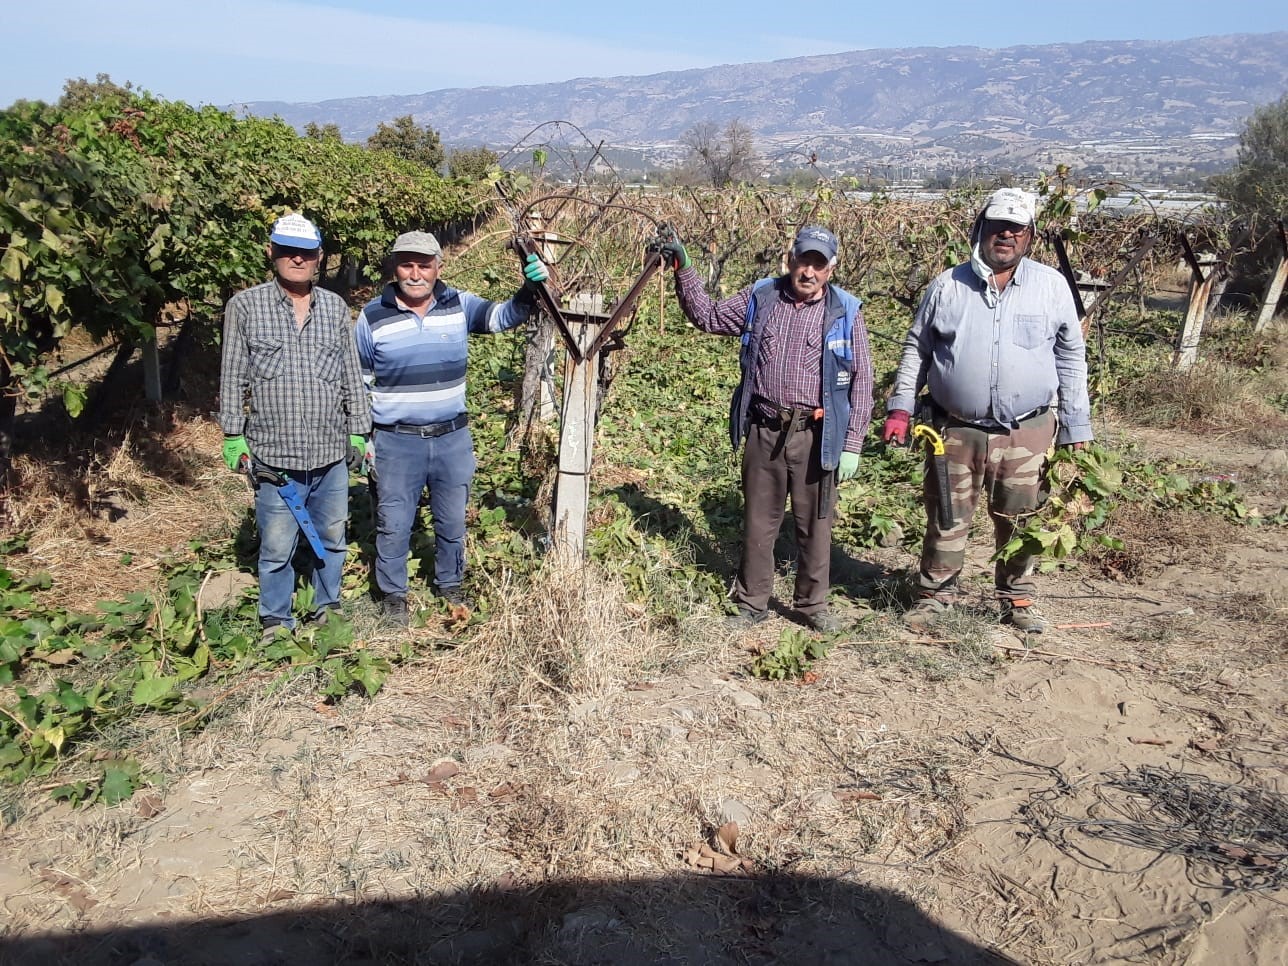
[(416, 275), (295, 266), (1004, 243), (809, 273)]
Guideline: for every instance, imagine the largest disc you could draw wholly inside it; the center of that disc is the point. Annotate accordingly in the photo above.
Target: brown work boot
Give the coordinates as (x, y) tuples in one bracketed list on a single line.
[(1023, 615), (926, 612)]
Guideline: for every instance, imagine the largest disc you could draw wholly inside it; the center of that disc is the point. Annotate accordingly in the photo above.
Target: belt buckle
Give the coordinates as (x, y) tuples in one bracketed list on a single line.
[(428, 432)]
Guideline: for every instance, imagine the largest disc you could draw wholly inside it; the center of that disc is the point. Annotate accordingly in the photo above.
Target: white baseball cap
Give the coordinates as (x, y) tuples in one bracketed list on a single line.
[(1013, 205), (295, 231)]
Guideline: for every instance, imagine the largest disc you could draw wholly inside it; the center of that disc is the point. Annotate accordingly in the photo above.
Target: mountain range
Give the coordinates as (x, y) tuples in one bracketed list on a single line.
[(1136, 104)]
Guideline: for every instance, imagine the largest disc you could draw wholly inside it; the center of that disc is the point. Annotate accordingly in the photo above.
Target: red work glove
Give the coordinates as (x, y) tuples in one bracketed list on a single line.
[(895, 429)]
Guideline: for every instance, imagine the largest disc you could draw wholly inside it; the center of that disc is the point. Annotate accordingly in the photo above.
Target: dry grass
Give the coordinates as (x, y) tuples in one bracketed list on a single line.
[(102, 519)]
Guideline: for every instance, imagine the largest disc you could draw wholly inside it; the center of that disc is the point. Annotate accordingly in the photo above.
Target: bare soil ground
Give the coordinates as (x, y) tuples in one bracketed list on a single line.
[(1113, 791)]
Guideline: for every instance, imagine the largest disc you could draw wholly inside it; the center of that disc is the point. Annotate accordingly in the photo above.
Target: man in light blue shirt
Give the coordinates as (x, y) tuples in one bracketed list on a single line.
[(997, 345)]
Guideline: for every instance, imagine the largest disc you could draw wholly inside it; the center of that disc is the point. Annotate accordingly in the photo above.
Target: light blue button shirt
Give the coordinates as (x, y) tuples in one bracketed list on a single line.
[(995, 364)]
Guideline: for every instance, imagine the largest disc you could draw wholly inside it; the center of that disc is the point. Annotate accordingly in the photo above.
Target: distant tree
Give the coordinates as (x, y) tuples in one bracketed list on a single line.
[(407, 139), (80, 93), (721, 157), (1257, 186), (471, 164), (325, 132)]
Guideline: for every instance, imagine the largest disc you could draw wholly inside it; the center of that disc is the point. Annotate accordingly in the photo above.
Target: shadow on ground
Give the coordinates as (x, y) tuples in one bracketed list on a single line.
[(674, 920)]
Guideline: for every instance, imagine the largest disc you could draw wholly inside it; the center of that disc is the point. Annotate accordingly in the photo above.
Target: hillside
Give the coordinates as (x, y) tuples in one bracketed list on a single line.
[(1124, 100)]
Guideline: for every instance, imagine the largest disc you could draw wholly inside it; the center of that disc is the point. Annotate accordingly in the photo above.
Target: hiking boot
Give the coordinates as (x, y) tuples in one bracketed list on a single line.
[(825, 622), (926, 612), (745, 618), (1023, 615), (394, 611)]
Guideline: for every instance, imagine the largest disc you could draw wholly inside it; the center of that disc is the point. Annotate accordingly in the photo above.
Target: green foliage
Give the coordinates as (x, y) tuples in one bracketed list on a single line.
[(406, 139), (114, 203), (1258, 184), (794, 655), (1085, 486), (473, 164), (140, 655)]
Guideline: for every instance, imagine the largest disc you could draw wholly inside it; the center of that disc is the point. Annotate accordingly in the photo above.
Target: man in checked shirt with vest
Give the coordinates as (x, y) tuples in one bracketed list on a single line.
[(802, 407), (412, 345), (995, 341), (291, 400)]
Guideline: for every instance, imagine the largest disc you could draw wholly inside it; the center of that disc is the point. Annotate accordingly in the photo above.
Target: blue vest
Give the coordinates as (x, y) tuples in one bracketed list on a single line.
[(837, 362)]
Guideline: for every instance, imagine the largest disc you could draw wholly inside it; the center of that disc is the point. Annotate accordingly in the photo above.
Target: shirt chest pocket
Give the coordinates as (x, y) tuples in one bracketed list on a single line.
[(330, 362), (267, 357), (1031, 331)]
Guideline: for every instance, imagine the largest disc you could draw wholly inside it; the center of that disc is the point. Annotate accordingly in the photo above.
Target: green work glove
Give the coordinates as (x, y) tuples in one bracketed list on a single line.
[(849, 466), (673, 253), (357, 453), (235, 449), (534, 270)]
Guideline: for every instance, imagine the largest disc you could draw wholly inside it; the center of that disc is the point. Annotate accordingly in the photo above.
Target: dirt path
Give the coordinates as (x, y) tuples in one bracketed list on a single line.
[(1116, 793)]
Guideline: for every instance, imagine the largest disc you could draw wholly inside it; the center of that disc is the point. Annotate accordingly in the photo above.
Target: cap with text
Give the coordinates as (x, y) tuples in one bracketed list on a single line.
[(295, 231), (1013, 205), (416, 243), (813, 238)]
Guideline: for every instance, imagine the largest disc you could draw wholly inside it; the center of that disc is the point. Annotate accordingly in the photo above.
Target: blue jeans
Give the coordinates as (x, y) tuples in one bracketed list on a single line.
[(326, 497), (404, 465)]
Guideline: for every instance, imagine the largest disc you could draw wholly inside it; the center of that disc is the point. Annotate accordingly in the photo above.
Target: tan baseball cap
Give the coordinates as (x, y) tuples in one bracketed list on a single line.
[(417, 242)]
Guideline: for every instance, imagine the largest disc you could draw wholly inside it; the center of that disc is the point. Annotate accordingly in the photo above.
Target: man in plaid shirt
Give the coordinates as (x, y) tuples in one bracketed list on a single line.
[(802, 408), (292, 401)]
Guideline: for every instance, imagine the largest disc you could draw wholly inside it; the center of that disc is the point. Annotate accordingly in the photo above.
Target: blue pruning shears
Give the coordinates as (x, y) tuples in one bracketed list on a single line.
[(258, 473)]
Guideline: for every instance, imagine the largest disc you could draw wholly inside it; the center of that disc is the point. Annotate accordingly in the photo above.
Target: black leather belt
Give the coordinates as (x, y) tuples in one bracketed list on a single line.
[(428, 431), (990, 426), (782, 420)]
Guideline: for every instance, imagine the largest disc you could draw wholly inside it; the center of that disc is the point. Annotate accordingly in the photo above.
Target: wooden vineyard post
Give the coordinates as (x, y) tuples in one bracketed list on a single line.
[(585, 331), (1203, 273), (151, 370), (1274, 290), (576, 444)]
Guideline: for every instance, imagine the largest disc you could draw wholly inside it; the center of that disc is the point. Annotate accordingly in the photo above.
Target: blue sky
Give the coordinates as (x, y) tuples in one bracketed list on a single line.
[(234, 51)]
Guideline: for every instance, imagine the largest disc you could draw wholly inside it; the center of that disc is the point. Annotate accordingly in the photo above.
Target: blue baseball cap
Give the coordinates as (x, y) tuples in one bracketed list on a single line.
[(814, 238), (295, 231)]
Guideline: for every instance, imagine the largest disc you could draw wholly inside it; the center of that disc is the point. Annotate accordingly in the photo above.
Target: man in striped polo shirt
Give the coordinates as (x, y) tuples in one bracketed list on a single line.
[(412, 347)]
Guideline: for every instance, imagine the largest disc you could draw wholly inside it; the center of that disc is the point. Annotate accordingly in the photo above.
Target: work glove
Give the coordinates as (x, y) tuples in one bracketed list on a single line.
[(895, 429), (1073, 446), (235, 449), (849, 466), (667, 244), (534, 270), (357, 453), (368, 459)]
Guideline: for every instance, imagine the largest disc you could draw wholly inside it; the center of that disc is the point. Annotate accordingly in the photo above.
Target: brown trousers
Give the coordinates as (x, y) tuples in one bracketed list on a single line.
[(770, 474)]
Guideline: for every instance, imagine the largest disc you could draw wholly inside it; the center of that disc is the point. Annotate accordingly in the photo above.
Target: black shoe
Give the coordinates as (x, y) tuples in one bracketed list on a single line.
[(745, 618), (321, 616), (394, 610), (825, 622), (455, 597)]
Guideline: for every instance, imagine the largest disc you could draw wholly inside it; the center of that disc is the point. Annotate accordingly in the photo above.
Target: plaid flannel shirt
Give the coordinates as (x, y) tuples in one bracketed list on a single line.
[(295, 392)]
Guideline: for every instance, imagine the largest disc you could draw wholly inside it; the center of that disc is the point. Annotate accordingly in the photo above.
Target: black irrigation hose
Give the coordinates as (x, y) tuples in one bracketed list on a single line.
[(1231, 836)]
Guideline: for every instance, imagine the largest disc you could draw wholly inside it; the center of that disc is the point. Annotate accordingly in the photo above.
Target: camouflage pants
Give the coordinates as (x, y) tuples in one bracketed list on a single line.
[(1008, 467)]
